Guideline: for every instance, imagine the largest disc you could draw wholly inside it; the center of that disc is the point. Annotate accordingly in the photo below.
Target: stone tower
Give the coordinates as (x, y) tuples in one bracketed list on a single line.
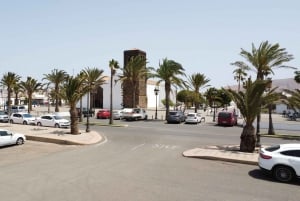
[(141, 93)]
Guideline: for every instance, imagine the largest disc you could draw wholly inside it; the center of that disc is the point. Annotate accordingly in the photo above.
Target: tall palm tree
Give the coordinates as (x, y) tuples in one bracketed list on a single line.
[(17, 89), (113, 65), (198, 81), (268, 100), (263, 60), (92, 79), (9, 80), (240, 73), (72, 91), (169, 72), (133, 72), (56, 77), (249, 102), (30, 86), (297, 76)]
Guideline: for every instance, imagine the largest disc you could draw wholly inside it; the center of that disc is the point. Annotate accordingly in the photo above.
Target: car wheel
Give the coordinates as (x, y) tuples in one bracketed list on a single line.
[(283, 173), (11, 121), (56, 125), (24, 122), (20, 141)]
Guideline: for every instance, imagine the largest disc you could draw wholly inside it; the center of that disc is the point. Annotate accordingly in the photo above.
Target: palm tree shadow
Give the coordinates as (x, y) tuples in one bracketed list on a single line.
[(261, 175)]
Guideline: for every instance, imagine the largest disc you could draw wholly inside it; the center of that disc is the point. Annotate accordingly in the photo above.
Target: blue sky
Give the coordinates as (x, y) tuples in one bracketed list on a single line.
[(204, 36)]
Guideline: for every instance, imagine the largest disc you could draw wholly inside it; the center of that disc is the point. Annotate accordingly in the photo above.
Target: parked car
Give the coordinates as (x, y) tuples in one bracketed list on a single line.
[(175, 117), (103, 114), (22, 118), (9, 138), (3, 117), (18, 108), (117, 114), (194, 118), (134, 114), (227, 118), (282, 161), (52, 121), (85, 112)]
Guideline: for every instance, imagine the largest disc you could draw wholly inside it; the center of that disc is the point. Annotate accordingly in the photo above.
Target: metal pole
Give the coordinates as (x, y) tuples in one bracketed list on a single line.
[(155, 105), (88, 114)]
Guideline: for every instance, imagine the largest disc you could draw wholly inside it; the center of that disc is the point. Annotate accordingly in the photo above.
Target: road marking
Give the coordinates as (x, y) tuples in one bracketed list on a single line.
[(164, 146), (136, 147)]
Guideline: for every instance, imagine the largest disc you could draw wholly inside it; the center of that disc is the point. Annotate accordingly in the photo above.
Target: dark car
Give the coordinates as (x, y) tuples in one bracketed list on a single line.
[(175, 117), (227, 118), (85, 112), (103, 114)]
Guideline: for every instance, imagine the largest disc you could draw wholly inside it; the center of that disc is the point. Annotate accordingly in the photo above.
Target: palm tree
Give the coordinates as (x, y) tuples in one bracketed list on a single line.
[(133, 72), (240, 72), (17, 89), (249, 103), (72, 91), (113, 65), (9, 80), (294, 100), (197, 81), (268, 100), (297, 76), (56, 77), (30, 86), (263, 60), (92, 79), (169, 72)]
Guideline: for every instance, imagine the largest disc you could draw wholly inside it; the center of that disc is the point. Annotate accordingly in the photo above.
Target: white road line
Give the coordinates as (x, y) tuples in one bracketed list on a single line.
[(136, 147)]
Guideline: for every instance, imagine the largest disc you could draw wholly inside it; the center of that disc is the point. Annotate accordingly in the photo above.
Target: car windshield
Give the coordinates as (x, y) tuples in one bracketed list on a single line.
[(27, 115), (173, 113), (191, 115), (2, 113), (273, 148)]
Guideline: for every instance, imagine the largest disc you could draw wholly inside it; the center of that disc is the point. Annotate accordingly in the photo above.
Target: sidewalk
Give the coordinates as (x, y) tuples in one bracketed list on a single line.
[(229, 153), (54, 135)]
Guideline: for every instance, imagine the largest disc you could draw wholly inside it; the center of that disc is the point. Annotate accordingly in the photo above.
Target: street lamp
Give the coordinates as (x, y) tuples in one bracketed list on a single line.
[(91, 87), (156, 90), (214, 106), (88, 113)]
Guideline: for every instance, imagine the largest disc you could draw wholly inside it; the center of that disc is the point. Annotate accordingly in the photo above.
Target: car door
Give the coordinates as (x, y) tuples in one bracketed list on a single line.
[(18, 118), (48, 120), (5, 138), (293, 159)]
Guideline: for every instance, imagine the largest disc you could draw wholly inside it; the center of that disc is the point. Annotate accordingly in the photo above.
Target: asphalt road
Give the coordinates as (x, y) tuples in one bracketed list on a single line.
[(140, 162)]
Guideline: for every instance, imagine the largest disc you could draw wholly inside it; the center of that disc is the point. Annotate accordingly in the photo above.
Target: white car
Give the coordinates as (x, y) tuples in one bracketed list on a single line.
[(194, 118), (117, 114), (9, 138), (22, 118), (52, 121), (283, 161), (3, 117)]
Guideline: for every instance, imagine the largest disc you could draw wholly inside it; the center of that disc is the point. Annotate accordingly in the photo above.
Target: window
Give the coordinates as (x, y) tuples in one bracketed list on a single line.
[(295, 153)]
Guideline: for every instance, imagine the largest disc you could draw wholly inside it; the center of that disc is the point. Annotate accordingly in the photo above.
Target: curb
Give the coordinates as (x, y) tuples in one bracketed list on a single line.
[(224, 159), (52, 140)]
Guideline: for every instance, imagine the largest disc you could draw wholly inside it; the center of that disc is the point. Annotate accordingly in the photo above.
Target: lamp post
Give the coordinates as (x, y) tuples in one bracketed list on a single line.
[(156, 90), (88, 113), (214, 106)]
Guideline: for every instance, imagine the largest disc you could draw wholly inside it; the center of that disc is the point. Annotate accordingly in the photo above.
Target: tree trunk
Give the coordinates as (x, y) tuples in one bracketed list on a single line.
[(248, 139), (74, 120), (271, 127)]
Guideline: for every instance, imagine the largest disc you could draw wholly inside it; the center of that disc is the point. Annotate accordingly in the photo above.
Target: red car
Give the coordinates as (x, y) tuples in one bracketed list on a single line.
[(227, 119), (103, 114)]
